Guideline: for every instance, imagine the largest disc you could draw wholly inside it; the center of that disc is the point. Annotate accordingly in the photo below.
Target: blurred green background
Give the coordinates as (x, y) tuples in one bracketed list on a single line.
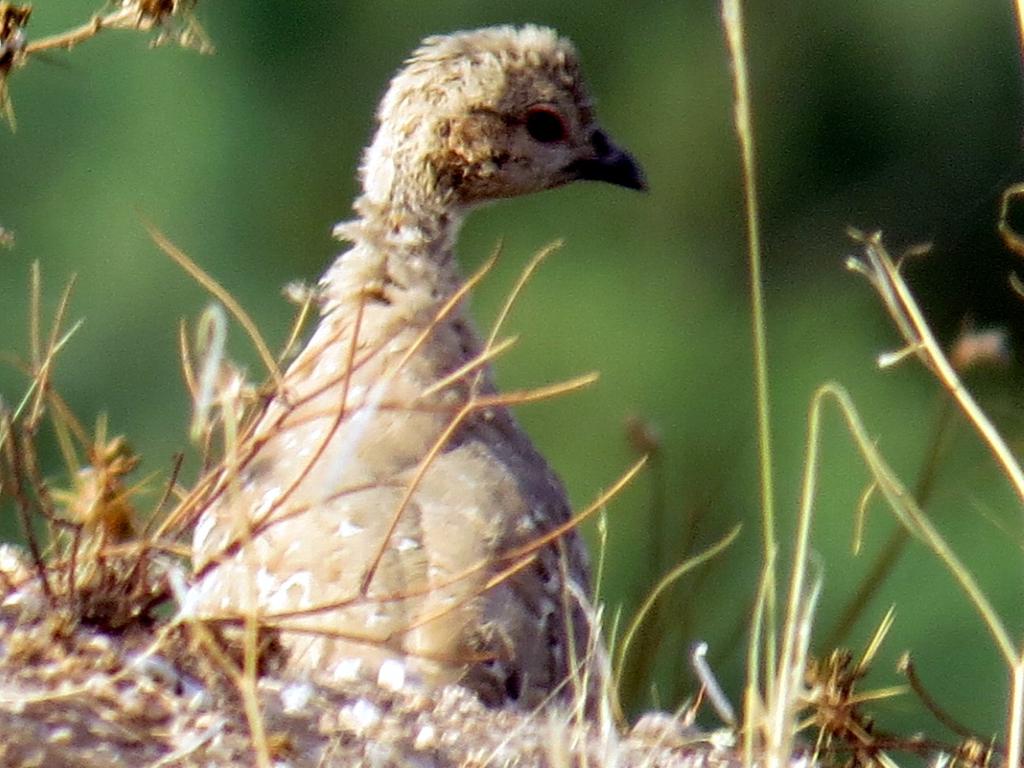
[(900, 116)]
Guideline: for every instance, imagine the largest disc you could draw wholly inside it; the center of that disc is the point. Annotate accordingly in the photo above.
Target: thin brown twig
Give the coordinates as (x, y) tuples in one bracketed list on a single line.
[(518, 554), (43, 364), (223, 296), (297, 325), (338, 416), (560, 530), (169, 485), (884, 275), (446, 309), (211, 484), (475, 403), (24, 507), (417, 478), (140, 15), (517, 289), (906, 666)]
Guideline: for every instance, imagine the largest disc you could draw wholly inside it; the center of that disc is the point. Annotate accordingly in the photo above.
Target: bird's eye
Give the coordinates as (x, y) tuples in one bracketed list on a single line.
[(545, 125)]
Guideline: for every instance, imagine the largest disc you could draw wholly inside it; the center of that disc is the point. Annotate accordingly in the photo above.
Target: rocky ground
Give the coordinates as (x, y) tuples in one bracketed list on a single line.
[(149, 693)]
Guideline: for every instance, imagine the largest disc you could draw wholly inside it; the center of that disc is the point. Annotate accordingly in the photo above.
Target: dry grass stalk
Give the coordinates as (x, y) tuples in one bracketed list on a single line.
[(883, 273)]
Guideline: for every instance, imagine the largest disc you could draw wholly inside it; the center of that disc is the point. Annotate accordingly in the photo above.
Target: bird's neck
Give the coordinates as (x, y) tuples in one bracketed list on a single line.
[(404, 222), (397, 242), (406, 225)]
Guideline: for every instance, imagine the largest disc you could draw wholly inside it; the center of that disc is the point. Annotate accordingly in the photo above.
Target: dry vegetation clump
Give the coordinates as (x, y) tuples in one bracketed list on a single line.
[(101, 663), (102, 650)]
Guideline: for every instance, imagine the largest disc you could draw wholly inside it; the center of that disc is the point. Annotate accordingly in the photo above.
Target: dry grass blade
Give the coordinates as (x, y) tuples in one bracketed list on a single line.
[(709, 686), (884, 276), (446, 309), (246, 683), (753, 701), (523, 396), (487, 355), (877, 639), (885, 560), (521, 556), (308, 301), (732, 19), (906, 510), (341, 412), (35, 313), (784, 691), (666, 581), (12, 447), (906, 666), (223, 296), (188, 370), (34, 386), (1015, 731), (910, 515), (42, 362), (498, 578), (598, 503), (475, 402), (517, 289), (211, 339)]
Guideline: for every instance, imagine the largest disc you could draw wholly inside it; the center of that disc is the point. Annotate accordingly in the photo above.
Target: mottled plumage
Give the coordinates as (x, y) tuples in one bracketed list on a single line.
[(473, 117)]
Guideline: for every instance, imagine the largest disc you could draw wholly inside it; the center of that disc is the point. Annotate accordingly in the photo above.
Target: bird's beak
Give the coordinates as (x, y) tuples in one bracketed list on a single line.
[(609, 163)]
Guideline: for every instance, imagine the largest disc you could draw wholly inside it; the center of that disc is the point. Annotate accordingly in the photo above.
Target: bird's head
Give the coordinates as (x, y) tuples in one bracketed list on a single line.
[(493, 113)]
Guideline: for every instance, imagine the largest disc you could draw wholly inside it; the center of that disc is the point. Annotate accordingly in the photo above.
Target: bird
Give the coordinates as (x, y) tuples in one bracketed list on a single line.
[(384, 507)]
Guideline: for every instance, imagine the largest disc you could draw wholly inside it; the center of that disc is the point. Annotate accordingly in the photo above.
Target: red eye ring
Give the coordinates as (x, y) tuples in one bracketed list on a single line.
[(545, 124)]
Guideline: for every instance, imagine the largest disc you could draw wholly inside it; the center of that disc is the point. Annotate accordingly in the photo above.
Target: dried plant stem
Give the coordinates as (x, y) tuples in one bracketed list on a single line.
[(599, 503), (885, 278), (903, 308), (910, 515), (517, 289), (15, 461), (1020, 25), (1014, 736), (223, 296), (906, 666), (247, 681), (72, 37), (666, 581), (890, 553), (128, 16), (753, 703), (732, 18), (42, 364), (783, 692)]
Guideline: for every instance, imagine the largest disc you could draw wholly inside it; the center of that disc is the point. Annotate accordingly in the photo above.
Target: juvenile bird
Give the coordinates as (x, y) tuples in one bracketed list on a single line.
[(371, 516)]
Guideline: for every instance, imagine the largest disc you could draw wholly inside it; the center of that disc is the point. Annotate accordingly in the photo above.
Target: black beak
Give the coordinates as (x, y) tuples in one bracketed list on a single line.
[(609, 163)]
